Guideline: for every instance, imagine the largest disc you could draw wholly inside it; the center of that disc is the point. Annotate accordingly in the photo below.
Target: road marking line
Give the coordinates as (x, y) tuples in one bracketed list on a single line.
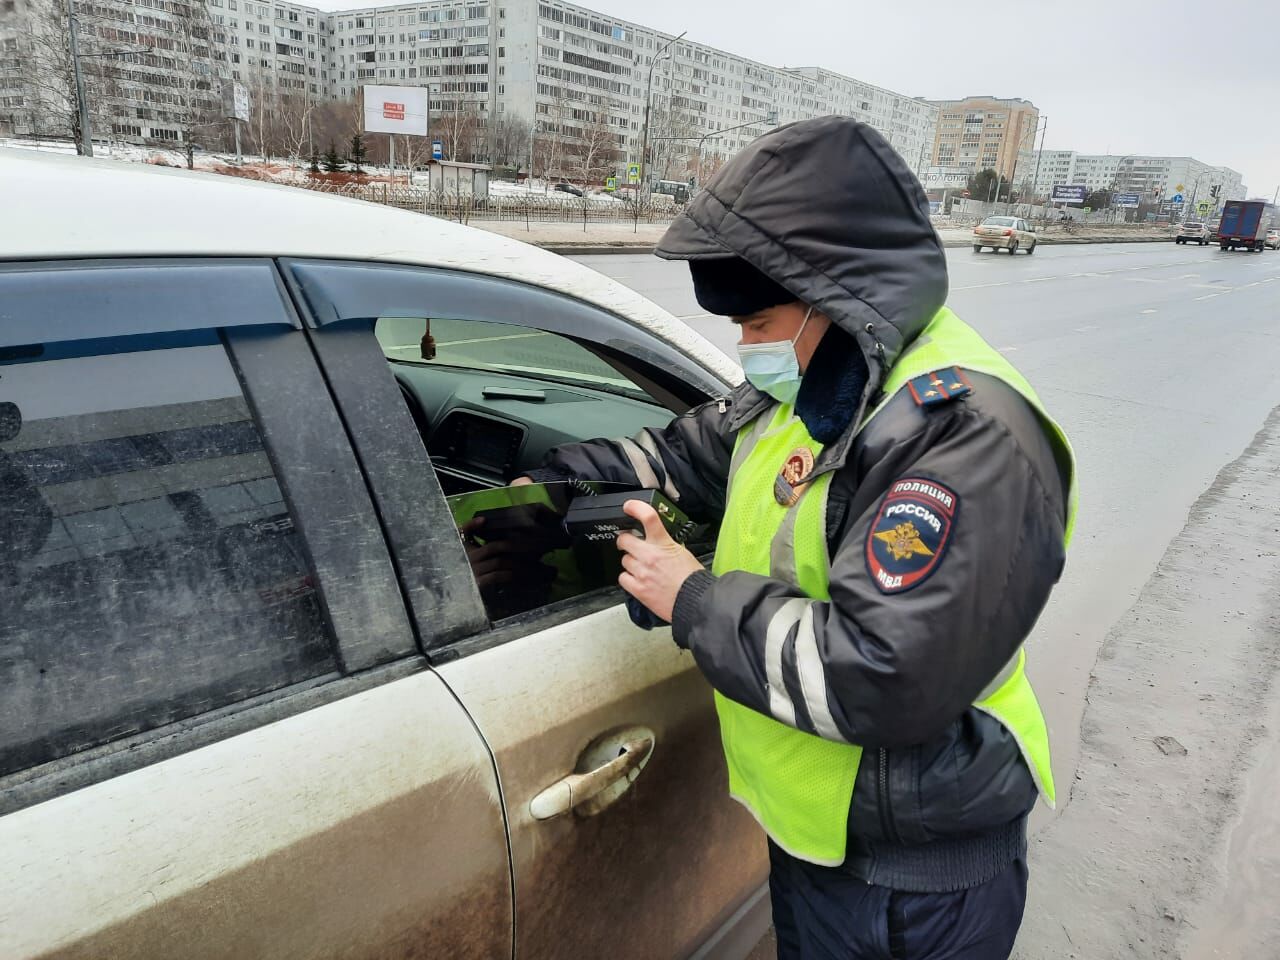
[(1148, 279), (1086, 329), (980, 286), (1037, 279), (1208, 296), (695, 316), (1148, 311), (1008, 349)]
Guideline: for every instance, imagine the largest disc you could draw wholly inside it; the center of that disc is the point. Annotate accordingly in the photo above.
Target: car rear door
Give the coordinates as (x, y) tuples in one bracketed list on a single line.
[(663, 863), (218, 735)]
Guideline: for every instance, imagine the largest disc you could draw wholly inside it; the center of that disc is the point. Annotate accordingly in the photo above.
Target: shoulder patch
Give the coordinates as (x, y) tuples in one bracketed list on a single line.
[(910, 533), (938, 387)]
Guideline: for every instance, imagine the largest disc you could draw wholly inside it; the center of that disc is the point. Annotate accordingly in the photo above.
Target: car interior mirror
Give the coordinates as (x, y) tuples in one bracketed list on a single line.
[(10, 421)]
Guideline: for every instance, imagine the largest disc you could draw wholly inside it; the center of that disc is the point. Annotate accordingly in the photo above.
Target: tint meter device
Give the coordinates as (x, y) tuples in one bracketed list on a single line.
[(601, 517)]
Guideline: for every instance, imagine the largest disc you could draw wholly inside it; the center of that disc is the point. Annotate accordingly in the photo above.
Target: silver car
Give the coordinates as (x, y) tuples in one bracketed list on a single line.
[(265, 691), (1004, 233)]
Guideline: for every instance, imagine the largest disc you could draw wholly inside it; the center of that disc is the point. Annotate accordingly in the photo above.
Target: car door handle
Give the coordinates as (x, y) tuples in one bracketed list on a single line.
[(591, 791)]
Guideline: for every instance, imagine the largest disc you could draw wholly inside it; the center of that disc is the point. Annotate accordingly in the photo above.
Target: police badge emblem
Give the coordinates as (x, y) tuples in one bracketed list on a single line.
[(787, 488)]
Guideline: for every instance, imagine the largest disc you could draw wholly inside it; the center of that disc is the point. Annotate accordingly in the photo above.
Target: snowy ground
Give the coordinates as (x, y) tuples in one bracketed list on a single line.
[(283, 171)]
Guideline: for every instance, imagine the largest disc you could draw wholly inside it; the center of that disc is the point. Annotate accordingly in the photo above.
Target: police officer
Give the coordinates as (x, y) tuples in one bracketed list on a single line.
[(894, 507)]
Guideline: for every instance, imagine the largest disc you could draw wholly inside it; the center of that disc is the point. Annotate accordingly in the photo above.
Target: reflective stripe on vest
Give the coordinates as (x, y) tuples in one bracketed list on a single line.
[(797, 785)]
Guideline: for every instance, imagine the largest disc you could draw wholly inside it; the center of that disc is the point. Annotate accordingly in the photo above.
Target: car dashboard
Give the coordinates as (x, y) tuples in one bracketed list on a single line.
[(482, 429)]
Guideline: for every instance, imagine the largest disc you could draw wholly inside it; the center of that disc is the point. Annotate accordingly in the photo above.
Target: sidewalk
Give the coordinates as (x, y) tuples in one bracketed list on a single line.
[(572, 240)]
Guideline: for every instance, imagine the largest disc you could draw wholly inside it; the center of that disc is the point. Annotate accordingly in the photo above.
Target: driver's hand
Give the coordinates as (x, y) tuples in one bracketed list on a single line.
[(521, 482)]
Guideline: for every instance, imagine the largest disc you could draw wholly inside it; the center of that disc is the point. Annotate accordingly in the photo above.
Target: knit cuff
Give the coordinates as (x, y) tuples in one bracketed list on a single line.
[(684, 616), (548, 475)]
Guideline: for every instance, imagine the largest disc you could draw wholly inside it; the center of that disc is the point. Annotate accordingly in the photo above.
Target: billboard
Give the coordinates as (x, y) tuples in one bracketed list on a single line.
[(395, 110), (946, 178), (235, 97), (1074, 193)]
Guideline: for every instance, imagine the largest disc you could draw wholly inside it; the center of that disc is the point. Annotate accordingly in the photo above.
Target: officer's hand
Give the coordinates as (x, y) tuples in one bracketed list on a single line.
[(521, 482), (655, 568)]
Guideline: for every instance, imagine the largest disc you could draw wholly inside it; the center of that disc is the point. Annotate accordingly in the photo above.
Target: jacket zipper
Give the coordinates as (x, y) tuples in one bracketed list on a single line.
[(889, 828)]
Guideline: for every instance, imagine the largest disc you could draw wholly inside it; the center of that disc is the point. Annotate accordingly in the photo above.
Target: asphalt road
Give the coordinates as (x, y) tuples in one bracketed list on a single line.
[(1161, 362)]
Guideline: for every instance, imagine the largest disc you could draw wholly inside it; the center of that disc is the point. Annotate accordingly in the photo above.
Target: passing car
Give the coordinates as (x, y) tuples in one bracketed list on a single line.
[(569, 188), (1004, 233), (259, 694), (1192, 233), (1273, 240)]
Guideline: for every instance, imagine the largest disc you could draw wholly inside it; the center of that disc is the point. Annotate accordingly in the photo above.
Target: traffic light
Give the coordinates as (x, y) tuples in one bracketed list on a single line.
[(1213, 191)]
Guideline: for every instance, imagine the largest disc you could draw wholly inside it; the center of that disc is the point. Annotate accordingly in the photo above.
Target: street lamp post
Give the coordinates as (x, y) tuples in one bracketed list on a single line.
[(1014, 172), (771, 118), (86, 134), (648, 95), (1035, 177)]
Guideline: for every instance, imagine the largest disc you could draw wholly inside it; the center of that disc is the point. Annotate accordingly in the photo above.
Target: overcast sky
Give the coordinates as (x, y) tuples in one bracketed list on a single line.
[(1196, 78)]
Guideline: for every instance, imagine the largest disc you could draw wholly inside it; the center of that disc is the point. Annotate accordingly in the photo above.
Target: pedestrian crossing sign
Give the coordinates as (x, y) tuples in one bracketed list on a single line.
[(633, 173)]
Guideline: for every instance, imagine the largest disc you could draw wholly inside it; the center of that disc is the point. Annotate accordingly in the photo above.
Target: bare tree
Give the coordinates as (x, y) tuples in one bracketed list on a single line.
[(597, 155), (511, 141), (458, 126), (549, 145), (671, 139), (46, 76), (413, 152), (294, 113), (199, 66), (335, 121)]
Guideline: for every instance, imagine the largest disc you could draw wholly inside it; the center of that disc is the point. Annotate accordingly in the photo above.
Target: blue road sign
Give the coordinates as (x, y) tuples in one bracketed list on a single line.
[(437, 150), (1177, 198), (1126, 200)]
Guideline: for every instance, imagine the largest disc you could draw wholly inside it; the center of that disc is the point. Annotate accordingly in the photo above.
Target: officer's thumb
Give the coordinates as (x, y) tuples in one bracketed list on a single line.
[(654, 531)]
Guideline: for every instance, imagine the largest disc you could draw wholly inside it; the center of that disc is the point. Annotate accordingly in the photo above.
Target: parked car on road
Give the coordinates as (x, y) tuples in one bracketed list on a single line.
[(261, 695), (1273, 240), (1196, 233), (1004, 233)]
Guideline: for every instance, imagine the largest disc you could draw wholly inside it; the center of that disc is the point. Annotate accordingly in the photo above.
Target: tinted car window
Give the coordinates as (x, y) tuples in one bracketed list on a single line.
[(149, 566)]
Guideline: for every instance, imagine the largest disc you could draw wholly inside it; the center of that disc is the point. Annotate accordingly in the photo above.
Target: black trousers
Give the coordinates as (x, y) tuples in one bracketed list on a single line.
[(825, 914)]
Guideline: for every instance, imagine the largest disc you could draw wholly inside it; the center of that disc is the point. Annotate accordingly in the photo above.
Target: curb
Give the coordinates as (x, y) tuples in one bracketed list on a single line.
[(596, 250)]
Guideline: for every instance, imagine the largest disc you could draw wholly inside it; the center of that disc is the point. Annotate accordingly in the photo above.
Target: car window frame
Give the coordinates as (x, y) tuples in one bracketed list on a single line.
[(365, 389), (316, 480)]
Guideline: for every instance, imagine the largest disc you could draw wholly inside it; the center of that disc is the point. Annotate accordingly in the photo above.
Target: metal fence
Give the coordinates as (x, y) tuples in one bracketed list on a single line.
[(464, 207)]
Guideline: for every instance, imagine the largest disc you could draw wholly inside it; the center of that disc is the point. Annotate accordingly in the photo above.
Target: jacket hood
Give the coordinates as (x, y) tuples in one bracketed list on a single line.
[(830, 211)]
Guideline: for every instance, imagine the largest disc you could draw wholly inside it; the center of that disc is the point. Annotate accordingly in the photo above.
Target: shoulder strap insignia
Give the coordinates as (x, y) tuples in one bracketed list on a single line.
[(939, 387)]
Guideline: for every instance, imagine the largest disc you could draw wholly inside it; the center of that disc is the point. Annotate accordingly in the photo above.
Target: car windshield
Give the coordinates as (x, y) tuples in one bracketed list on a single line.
[(999, 222), (500, 348)]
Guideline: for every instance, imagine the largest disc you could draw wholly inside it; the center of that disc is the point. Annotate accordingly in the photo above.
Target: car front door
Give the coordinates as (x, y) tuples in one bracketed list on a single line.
[(218, 735), (567, 692)]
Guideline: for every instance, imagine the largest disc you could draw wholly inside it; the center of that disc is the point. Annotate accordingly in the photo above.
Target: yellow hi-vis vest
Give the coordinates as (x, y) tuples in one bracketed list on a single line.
[(797, 785)]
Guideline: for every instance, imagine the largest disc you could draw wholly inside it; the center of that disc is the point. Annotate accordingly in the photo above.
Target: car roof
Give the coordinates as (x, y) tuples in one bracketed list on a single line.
[(63, 207)]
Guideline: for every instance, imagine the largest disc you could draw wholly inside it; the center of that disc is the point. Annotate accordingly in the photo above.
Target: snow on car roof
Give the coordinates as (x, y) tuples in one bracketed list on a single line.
[(58, 207)]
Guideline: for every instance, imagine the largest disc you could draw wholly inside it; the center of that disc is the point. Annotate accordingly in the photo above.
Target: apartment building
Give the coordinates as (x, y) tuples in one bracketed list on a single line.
[(563, 69), (985, 133), (1155, 178), (155, 70)]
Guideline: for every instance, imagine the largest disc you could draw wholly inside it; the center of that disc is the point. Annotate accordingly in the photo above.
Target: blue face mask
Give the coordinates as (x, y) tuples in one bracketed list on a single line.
[(774, 368)]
